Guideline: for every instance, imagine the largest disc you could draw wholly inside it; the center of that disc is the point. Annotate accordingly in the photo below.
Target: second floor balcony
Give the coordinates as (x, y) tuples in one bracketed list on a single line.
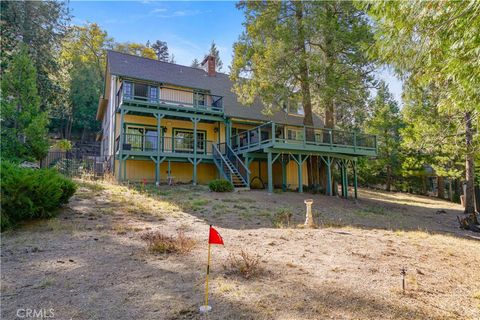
[(168, 97)]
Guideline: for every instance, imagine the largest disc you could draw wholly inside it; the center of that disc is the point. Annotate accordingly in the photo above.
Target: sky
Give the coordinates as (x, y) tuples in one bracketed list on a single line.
[(188, 27)]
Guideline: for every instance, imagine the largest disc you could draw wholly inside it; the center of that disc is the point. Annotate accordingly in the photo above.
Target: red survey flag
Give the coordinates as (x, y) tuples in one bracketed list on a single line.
[(214, 237)]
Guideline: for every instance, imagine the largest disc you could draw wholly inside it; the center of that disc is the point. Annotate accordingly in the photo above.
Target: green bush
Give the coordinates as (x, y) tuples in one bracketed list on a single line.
[(30, 194), (220, 185)]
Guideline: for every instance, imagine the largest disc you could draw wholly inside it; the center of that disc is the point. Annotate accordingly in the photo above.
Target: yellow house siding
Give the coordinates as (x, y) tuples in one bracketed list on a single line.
[(292, 174), (177, 95), (182, 172)]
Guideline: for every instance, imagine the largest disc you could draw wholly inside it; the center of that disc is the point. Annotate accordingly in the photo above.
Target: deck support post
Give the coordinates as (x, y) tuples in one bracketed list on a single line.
[(270, 172), (169, 171), (159, 117), (342, 171), (228, 133), (125, 168), (345, 166), (344, 176), (328, 162), (120, 144), (273, 132), (355, 182), (247, 164), (329, 177), (284, 175), (300, 162), (195, 122), (300, 173)]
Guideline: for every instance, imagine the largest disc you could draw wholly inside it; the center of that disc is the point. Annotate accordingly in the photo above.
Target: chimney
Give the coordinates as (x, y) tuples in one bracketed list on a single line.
[(209, 65)]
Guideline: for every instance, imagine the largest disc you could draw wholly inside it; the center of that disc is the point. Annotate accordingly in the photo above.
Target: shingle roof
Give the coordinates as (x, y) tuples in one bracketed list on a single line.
[(127, 65)]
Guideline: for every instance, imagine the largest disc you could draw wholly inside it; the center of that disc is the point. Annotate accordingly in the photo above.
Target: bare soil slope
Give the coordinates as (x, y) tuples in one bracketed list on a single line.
[(90, 262)]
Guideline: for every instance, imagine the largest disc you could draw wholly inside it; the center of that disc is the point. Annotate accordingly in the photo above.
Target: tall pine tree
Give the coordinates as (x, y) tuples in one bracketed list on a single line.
[(385, 122), (436, 43), (24, 125)]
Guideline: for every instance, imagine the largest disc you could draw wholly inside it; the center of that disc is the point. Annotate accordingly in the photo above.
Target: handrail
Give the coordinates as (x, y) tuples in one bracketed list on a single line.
[(168, 144), (235, 160), (238, 158), (307, 135), (218, 155), (176, 96)]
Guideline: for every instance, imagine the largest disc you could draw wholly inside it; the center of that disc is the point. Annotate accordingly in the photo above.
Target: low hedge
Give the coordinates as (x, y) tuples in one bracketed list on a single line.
[(30, 194), (220, 185)]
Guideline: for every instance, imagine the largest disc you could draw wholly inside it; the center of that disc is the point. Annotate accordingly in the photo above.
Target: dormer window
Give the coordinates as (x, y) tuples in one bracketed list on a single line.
[(293, 107)]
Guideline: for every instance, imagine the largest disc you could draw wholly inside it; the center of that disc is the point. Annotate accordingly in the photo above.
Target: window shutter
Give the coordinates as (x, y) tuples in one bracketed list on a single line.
[(127, 89), (152, 94)]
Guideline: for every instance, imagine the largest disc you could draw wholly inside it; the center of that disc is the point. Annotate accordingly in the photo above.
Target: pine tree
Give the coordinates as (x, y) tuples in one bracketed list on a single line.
[(195, 63), (311, 50), (41, 26), (214, 52), (24, 127), (161, 50), (386, 123), (436, 43)]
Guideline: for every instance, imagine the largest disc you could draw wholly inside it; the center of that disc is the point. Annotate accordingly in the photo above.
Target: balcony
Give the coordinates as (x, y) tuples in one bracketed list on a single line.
[(144, 145), (285, 138), (167, 98)]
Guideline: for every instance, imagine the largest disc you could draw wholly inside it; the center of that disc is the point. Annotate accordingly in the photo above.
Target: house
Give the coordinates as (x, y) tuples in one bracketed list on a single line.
[(164, 122)]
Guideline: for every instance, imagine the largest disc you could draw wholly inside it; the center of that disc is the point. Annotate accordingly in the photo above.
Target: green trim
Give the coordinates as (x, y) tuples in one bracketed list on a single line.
[(181, 114), (142, 125)]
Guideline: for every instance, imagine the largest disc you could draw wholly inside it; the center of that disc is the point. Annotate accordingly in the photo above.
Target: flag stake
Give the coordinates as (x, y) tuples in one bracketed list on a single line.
[(206, 307), (213, 238)]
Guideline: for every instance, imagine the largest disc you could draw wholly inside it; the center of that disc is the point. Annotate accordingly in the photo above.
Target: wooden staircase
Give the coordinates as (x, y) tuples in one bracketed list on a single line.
[(234, 171)]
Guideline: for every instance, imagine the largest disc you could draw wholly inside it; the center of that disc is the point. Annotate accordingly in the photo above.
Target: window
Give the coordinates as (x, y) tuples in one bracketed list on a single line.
[(293, 107), (199, 99), (184, 140), (140, 91), (141, 138), (152, 94), (295, 134)]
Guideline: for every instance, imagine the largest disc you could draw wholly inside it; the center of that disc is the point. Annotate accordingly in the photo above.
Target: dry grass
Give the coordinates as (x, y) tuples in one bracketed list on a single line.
[(160, 243), (349, 268), (282, 218), (244, 264)]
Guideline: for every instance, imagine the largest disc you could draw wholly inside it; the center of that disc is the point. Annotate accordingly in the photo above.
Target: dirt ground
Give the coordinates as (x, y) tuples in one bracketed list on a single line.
[(90, 261)]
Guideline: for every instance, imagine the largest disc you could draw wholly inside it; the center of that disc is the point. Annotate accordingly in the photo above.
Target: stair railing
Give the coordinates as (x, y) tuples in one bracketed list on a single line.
[(237, 163), (221, 162)]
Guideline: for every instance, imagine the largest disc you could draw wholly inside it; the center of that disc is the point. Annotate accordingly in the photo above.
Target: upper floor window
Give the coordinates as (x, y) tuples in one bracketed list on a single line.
[(293, 107), (199, 99), (140, 91)]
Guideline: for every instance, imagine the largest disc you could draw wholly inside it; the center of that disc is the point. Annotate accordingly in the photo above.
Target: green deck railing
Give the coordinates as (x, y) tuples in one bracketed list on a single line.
[(140, 143), (177, 98), (303, 138)]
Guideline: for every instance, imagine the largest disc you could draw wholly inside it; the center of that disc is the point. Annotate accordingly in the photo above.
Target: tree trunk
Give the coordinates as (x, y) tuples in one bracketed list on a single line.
[(312, 169), (82, 139), (469, 167), (441, 187)]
